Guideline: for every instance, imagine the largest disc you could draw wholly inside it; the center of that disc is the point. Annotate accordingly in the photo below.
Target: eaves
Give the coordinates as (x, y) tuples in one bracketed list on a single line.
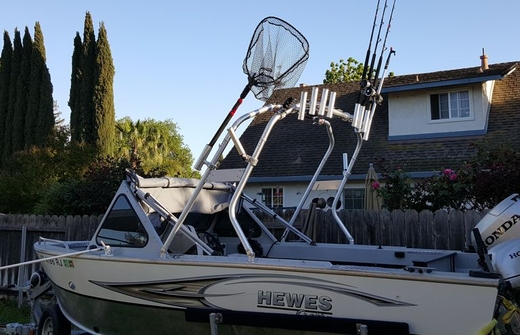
[(436, 84), (308, 178)]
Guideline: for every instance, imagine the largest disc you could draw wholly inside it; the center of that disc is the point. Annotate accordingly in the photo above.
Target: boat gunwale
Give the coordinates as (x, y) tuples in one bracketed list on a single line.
[(305, 266)]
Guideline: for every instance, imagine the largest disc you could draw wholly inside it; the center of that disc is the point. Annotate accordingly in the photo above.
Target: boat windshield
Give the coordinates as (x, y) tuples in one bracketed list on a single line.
[(122, 227)]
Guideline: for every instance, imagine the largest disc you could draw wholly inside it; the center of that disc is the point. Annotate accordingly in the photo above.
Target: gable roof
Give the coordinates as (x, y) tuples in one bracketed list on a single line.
[(303, 143)]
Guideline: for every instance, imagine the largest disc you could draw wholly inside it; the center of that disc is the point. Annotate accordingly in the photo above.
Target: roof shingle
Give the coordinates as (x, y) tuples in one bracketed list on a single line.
[(295, 148)]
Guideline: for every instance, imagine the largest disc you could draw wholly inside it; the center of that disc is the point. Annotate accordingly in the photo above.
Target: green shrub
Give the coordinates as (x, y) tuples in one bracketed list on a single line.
[(10, 313)]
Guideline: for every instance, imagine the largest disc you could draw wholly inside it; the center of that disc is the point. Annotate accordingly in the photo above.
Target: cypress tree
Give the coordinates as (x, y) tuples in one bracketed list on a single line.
[(45, 108), (46, 119), (87, 82), (15, 71), (33, 101), (21, 94), (104, 110), (5, 73), (75, 87)]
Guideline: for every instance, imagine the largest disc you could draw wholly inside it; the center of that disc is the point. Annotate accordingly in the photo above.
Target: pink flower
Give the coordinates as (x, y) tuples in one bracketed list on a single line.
[(453, 176), (448, 172), (375, 185)]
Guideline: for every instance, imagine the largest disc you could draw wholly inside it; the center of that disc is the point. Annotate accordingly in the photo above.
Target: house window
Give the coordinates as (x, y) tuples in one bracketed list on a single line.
[(354, 198), (450, 106), (272, 197)]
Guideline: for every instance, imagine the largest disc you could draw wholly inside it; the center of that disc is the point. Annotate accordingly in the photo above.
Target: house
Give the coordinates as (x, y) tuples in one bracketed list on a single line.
[(427, 122)]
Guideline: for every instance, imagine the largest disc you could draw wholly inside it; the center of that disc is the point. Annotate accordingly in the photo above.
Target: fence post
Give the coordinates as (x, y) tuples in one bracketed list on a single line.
[(21, 269)]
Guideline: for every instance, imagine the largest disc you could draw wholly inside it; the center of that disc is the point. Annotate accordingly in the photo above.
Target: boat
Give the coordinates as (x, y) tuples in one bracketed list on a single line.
[(192, 256), (185, 252), (124, 277)]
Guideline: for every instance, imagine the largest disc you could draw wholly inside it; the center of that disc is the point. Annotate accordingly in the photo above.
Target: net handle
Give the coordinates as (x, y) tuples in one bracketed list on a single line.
[(231, 113)]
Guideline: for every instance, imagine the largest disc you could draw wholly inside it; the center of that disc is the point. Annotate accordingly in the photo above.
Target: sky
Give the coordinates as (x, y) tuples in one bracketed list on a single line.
[(182, 60)]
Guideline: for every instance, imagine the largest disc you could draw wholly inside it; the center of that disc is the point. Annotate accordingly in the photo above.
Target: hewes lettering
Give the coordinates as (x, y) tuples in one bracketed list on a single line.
[(501, 230), (294, 301)]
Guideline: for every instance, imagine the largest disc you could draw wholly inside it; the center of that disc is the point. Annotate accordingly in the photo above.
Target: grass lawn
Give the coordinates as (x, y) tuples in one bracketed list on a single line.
[(10, 313)]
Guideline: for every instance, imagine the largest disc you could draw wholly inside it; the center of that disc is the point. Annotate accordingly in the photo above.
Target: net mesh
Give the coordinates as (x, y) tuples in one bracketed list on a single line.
[(276, 57)]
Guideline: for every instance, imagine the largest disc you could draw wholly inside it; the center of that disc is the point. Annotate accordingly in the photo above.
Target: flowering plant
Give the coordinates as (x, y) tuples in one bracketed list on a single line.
[(446, 189), (396, 190), (482, 182), (450, 174)]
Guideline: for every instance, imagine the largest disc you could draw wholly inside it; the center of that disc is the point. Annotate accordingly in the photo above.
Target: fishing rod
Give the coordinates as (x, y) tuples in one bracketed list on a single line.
[(374, 55), (376, 99), (359, 108), (367, 57), (376, 78), (372, 93), (368, 70)]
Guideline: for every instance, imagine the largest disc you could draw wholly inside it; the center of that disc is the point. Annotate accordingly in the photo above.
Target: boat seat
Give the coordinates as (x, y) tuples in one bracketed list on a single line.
[(158, 222), (182, 245)]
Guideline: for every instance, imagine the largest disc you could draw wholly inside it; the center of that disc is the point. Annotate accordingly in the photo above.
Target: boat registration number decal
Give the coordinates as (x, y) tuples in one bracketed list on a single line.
[(66, 263)]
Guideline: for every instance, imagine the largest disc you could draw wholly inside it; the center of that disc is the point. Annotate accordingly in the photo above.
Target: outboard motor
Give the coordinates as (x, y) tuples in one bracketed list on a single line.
[(500, 234), (505, 259), (500, 224)]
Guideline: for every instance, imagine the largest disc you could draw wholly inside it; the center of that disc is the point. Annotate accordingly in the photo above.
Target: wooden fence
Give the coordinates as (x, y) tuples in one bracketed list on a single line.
[(432, 230), (55, 227)]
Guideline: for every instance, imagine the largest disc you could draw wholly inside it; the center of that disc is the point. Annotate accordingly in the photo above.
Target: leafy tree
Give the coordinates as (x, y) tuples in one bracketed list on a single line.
[(28, 176), (343, 72), (92, 193), (103, 98), (155, 147), (5, 74), (23, 179)]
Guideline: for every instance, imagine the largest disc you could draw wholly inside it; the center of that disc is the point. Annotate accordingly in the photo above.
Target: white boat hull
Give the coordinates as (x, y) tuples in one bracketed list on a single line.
[(111, 295)]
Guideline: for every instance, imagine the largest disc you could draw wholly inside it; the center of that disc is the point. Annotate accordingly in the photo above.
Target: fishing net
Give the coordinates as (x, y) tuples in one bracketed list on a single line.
[(276, 57)]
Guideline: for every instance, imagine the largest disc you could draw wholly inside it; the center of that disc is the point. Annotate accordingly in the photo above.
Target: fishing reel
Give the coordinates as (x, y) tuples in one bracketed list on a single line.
[(367, 89), (370, 91)]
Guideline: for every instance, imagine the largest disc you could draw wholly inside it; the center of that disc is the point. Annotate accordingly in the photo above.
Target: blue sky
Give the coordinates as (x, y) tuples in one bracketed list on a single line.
[(182, 60)]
